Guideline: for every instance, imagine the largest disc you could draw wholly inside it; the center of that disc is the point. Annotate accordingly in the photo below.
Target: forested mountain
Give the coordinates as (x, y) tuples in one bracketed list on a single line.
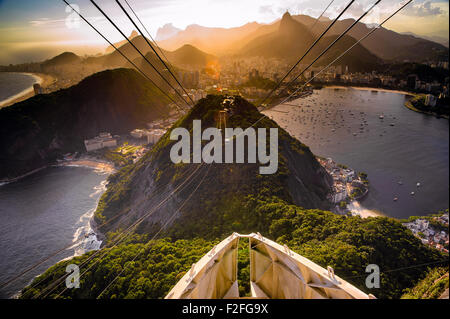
[(33, 133)]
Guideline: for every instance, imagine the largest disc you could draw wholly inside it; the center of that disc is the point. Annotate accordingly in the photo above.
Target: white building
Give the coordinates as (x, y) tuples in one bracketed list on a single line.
[(154, 135), (101, 141), (137, 133), (340, 196), (430, 100), (37, 89)]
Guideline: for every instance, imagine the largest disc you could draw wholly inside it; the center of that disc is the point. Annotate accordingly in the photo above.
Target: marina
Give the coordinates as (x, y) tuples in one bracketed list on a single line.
[(354, 128)]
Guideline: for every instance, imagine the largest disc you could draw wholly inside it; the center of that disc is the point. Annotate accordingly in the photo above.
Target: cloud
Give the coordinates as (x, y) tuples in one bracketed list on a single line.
[(266, 9), (45, 22), (423, 10)]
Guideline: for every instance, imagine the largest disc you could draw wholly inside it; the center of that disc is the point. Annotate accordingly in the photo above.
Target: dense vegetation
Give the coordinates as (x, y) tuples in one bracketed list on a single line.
[(431, 287), (442, 106), (235, 198), (260, 83), (160, 264), (423, 71), (348, 244)]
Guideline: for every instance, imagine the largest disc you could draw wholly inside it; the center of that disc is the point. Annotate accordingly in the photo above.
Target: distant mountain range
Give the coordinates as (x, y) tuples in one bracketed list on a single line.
[(293, 38), (189, 55), (110, 49), (186, 55), (288, 38), (385, 44), (167, 31), (217, 41), (64, 58), (436, 39)]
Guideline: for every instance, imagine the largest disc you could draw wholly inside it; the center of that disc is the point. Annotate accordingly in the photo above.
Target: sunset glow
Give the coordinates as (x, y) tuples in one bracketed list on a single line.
[(43, 24)]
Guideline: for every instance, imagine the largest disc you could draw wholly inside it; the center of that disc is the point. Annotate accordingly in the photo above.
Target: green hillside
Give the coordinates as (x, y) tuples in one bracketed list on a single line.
[(33, 133), (431, 287)]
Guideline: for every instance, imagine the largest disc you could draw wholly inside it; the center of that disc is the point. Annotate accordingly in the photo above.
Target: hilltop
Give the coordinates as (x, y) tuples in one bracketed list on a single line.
[(292, 38), (217, 41), (300, 180), (33, 133), (62, 59), (190, 56), (386, 44)]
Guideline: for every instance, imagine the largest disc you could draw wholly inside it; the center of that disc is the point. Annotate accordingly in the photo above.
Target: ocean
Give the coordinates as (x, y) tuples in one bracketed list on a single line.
[(43, 213), (397, 152), (11, 84)]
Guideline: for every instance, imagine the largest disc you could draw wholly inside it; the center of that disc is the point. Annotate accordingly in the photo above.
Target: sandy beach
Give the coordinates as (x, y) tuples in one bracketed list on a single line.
[(44, 80), (104, 167), (356, 208)]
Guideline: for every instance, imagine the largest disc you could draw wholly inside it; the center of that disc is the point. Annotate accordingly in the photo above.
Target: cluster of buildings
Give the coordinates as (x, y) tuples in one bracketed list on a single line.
[(152, 135), (254, 91), (190, 79), (429, 235), (195, 94), (101, 141), (154, 131), (345, 181), (37, 89), (412, 82), (235, 72), (430, 100)]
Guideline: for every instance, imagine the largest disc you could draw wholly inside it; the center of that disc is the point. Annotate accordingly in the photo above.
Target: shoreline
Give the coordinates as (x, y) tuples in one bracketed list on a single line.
[(363, 88), (409, 105), (102, 166), (44, 80), (358, 210), (406, 104), (98, 165), (15, 179)]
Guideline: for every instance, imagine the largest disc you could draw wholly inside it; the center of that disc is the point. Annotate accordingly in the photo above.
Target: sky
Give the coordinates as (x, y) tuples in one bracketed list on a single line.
[(32, 29)]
